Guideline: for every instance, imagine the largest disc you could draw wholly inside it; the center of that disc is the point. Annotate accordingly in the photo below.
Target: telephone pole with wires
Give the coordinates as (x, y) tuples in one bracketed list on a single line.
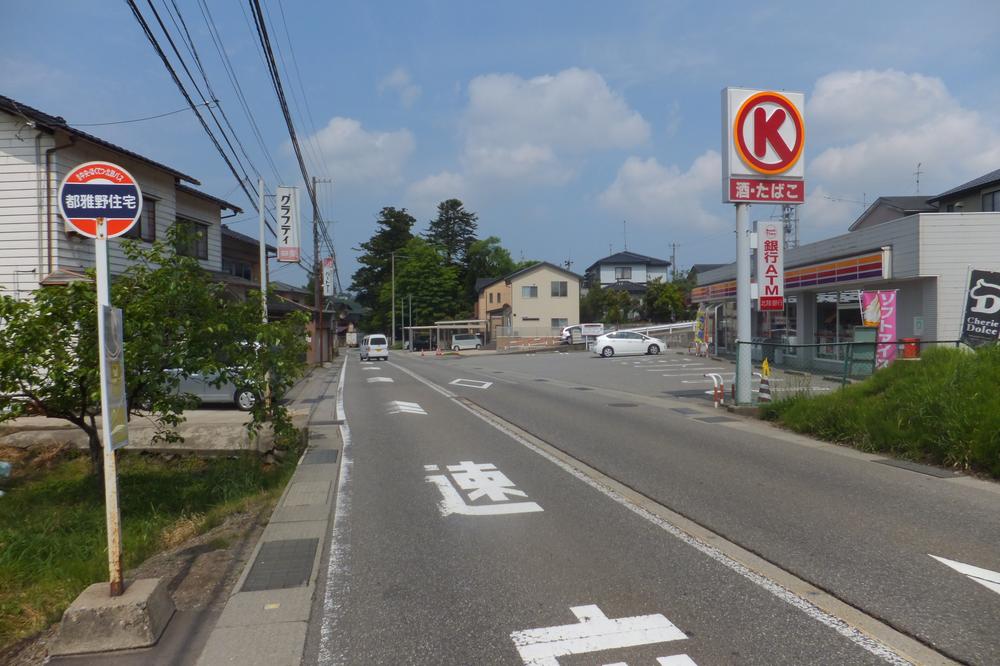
[(318, 296)]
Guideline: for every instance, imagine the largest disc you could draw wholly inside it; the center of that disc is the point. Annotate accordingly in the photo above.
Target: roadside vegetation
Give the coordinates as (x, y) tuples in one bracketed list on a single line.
[(52, 525), (943, 409)]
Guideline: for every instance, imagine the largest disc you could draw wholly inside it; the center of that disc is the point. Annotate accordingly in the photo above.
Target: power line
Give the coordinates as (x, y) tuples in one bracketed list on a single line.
[(136, 120), (227, 64), (194, 107)]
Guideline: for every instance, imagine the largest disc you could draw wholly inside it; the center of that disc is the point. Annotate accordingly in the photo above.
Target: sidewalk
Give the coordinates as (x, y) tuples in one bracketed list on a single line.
[(266, 618)]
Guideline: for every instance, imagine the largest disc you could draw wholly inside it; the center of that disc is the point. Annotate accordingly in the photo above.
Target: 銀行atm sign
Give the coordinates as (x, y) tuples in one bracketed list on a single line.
[(770, 266), (763, 140)]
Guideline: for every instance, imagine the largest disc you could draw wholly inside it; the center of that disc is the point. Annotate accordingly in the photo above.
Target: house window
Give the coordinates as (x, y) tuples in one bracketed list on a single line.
[(559, 288), (623, 272), (238, 268), (145, 228), (491, 297), (991, 202), (950, 208), (498, 297), (195, 240), (559, 323), (529, 292)]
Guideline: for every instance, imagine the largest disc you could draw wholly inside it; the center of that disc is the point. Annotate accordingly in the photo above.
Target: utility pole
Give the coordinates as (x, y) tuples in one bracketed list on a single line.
[(317, 279)]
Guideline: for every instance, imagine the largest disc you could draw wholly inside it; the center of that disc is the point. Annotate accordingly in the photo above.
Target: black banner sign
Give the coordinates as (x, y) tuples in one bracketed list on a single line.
[(981, 319)]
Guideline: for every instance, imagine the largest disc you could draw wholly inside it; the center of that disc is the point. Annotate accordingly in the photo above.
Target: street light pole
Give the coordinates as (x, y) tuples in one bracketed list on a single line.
[(392, 335)]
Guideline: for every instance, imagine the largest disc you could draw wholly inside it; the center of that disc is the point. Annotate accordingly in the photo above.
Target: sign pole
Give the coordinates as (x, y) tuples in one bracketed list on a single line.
[(743, 299), (110, 462), (263, 278)]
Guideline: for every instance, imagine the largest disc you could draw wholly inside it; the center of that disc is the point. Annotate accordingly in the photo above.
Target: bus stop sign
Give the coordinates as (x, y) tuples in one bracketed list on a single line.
[(100, 190)]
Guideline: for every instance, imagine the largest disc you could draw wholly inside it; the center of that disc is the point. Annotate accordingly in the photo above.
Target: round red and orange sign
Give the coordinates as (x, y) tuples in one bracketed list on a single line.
[(768, 133)]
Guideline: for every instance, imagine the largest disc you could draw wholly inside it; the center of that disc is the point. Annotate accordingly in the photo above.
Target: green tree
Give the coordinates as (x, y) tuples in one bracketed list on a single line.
[(663, 302), (432, 283), (454, 230), (486, 258), (392, 233), (175, 318), (593, 305), (619, 306)]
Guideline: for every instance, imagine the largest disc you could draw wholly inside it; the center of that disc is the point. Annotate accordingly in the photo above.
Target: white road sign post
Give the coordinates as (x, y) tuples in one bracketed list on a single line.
[(101, 200), (763, 138)]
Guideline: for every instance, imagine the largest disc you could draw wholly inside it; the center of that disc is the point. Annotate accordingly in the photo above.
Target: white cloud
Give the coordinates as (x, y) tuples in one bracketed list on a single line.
[(423, 196), (648, 192), (399, 82), (517, 132), (877, 126), (355, 156)]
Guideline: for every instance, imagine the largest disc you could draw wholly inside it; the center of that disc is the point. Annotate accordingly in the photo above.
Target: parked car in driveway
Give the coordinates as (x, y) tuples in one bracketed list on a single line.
[(626, 342), (461, 341), (203, 387)]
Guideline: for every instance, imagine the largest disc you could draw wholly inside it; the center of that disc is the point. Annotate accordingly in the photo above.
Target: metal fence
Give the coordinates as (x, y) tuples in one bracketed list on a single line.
[(839, 360)]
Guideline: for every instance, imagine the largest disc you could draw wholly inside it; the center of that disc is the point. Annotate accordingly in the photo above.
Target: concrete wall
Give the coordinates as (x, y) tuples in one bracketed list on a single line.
[(538, 312)]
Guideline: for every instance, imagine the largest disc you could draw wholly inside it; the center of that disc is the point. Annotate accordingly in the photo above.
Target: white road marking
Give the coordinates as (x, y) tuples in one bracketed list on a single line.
[(452, 502), (471, 383), (401, 407), (369, 367), (676, 660), (380, 380), (856, 636), (338, 565), (985, 577), (431, 468), (690, 374), (594, 632)]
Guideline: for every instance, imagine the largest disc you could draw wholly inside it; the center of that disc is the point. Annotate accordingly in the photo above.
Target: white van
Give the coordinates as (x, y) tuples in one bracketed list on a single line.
[(374, 347)]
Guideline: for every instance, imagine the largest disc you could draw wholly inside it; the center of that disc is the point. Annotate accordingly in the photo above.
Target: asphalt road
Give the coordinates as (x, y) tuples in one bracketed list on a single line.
[(429, 566)]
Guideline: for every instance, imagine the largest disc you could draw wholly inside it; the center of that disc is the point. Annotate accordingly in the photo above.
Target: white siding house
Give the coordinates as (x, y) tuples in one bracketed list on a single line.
[(36, 151), (629, 271)]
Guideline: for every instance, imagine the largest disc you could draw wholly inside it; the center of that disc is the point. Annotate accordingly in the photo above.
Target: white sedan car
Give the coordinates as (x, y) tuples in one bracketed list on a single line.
[(626, 342)]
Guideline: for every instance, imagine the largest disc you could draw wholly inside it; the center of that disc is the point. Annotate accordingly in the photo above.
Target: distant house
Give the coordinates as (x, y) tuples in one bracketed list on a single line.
[(537, 302), (240, 262), (36, 249), (884, 209), (979, 195), (628, 271)]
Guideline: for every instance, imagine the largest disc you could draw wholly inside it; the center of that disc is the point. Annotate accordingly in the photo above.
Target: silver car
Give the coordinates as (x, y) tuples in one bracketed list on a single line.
[(461, 341), (202, 386)]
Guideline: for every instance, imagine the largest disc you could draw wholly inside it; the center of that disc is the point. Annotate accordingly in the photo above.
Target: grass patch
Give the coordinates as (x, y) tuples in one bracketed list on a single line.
[(52, 525), (943, 409)]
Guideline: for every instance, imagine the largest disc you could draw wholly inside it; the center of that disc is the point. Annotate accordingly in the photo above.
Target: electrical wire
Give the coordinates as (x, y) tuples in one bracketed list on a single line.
[(136, 120)]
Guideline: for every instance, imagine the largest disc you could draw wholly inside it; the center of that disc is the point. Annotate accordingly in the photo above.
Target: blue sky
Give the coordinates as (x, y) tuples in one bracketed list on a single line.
[(553, 121)]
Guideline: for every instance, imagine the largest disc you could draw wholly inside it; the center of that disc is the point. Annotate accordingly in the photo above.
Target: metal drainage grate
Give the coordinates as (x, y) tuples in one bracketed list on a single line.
[(623, 404), (331, 422), (686, 393), (282, 564), (320, 457), (716, 419), (920, 469), (684, 410)]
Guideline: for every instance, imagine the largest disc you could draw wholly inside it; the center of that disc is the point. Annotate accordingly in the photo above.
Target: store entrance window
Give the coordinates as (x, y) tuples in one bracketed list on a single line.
[(837, 313)]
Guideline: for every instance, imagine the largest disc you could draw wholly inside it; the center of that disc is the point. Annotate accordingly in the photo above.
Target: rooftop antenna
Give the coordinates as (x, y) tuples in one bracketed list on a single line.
[(917, 174), (568, 263)]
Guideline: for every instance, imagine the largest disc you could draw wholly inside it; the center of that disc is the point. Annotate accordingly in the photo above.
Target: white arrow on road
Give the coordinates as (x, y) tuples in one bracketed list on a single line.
[(594, 632), (985, 577)]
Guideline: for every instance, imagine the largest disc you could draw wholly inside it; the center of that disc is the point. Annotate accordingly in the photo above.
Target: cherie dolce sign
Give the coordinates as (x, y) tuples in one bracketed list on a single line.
[(100, 190), (763, 139)]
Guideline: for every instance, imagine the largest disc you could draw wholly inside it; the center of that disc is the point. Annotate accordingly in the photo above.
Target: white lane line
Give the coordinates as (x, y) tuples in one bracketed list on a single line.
[(856, 636), (369, 367), (471, 383), (692, 374), (988, 579), (380, 380), (338, 572)]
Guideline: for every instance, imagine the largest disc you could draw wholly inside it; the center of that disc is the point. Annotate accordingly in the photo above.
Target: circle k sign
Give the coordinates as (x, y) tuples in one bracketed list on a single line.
[(768, 133), (100, 191)]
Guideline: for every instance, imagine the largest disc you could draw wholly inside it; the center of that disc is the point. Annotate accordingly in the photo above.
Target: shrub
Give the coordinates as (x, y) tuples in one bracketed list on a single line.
[(944, 409)]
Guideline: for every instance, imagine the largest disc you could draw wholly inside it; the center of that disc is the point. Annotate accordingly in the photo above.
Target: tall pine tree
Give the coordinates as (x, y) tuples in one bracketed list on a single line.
[(453, 230), (392, 234)]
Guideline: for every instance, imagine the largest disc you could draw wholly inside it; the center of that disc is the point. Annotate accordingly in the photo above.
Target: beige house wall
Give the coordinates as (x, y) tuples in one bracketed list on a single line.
[(539, 312)]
